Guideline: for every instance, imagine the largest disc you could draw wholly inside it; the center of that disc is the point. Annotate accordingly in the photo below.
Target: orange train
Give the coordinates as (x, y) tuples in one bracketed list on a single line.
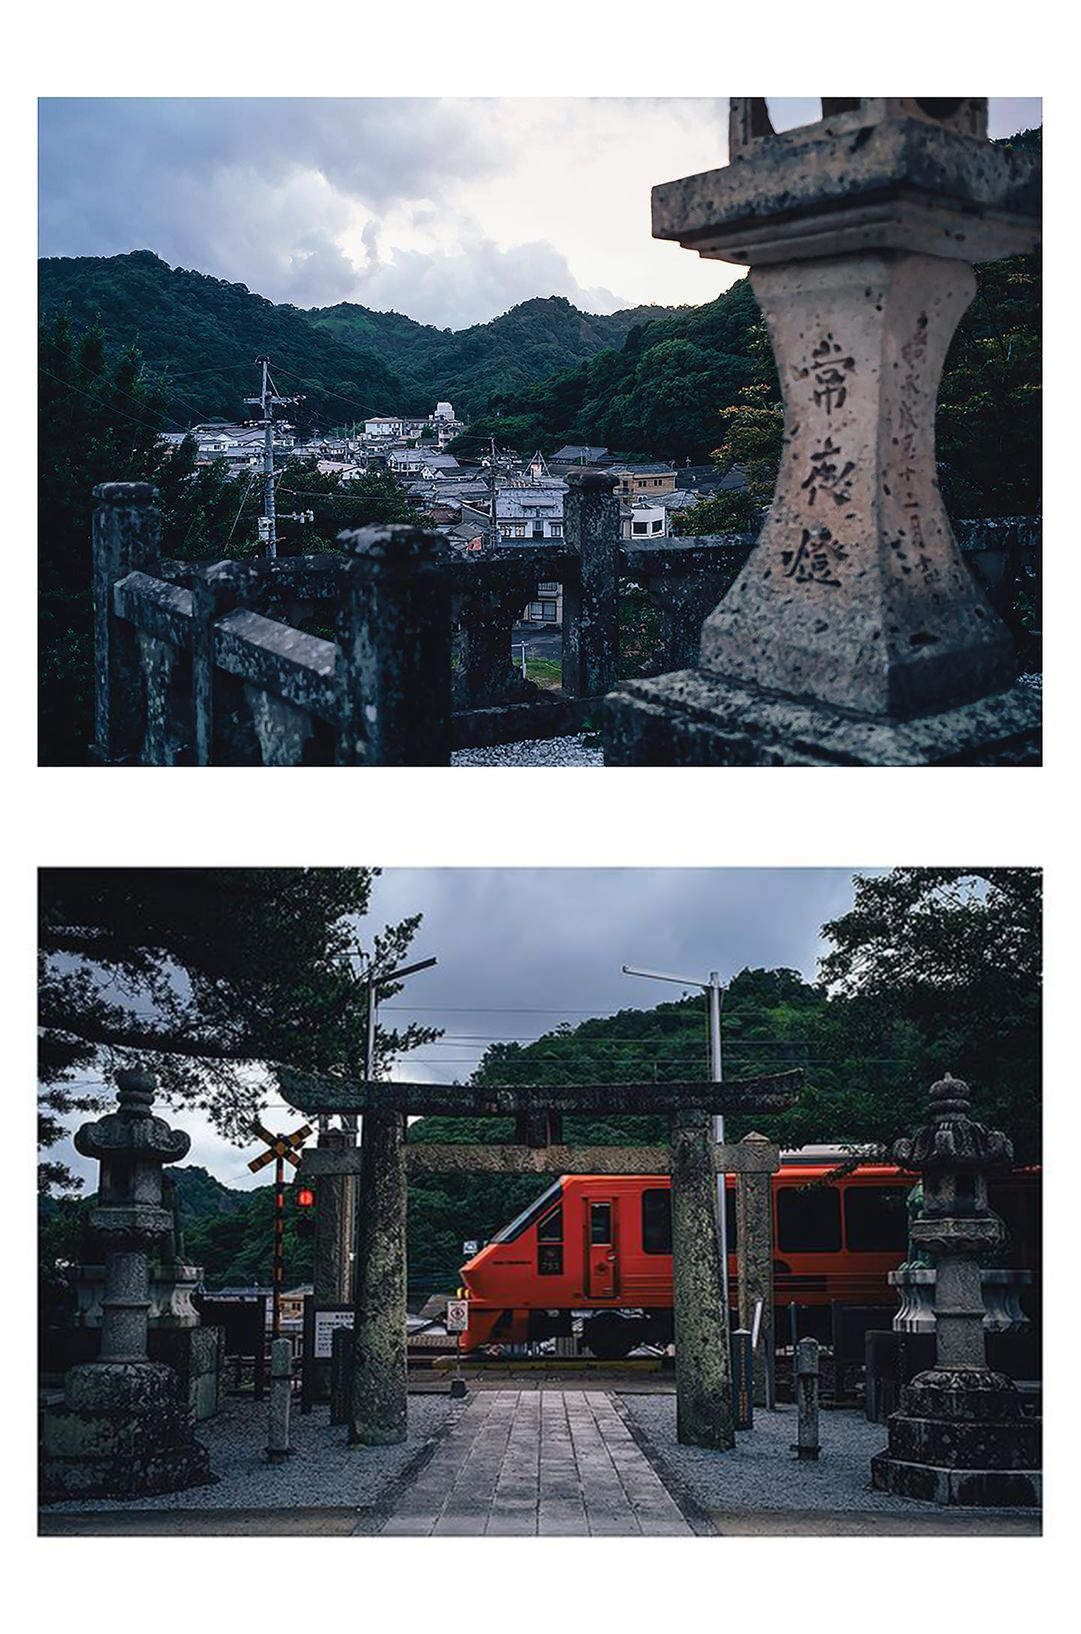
[(600, 1247)]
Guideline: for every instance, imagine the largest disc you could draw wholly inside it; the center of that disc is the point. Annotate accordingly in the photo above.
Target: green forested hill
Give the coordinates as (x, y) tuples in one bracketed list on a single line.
[(660, 394), (534, 339), (203, 334)]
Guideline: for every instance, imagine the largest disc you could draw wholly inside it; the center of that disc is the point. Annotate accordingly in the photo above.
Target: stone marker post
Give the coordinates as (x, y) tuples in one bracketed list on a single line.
[(125, 1429), (333, 1173), (380, 1382), (807, 1446), (856, 633), (126, 539), (964, 1434), (591, 597), (394, 638), (703, 1353), (758, 1161), (279, 1400)]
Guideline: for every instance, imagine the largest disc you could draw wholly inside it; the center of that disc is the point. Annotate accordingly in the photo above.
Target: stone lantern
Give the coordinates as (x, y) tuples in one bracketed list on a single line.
[(964, 1434), (855, 633), (125, 1429)]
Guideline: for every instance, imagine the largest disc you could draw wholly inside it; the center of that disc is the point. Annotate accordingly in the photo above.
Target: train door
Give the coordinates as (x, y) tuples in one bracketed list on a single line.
[(602, 1264)]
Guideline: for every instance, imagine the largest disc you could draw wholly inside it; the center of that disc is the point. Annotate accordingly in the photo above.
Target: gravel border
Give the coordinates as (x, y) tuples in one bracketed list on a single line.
[(566, 751), (324, 1471), (763, 1473)]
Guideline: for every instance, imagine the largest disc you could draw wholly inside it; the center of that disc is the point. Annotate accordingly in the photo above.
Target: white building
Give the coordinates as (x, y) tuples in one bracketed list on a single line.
[(383, 425)]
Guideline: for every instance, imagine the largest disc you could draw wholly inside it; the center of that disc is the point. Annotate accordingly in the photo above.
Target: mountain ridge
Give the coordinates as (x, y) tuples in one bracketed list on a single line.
[(203, 333)]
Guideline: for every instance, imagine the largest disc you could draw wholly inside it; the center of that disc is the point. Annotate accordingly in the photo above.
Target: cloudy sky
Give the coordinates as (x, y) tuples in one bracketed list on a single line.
[(449, 210), (521, 950)]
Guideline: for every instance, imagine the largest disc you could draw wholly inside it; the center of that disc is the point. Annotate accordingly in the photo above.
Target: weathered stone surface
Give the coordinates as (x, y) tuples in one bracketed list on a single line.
[(856, 593), (703, 1355), (692, 719), (333, 1166), (758, 1161), (380, 1385), (316, 1094), (424, 1157), (394, 640), (964, 1434), (884, 176), (855, 611), (591, 595), (125, 1428), (126, 537)]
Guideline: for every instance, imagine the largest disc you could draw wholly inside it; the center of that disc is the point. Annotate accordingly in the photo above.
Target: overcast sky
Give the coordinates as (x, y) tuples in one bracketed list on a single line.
[(521, 950), (449, 210)]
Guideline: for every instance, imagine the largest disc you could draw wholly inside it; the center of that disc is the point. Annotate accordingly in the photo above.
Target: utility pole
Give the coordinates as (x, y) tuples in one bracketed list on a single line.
[(493, 531), (715, 995), (267, 401)]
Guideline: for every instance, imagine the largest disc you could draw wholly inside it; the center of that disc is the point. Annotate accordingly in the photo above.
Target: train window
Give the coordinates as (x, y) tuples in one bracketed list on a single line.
[(875, 1219), (656, 1220), (550, 1229), (808, 1221), (600, 1222)]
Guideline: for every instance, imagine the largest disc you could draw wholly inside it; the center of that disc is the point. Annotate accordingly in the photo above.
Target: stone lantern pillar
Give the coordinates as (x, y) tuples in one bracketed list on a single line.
[(125, 1429), (855, 634), (964, 1434)]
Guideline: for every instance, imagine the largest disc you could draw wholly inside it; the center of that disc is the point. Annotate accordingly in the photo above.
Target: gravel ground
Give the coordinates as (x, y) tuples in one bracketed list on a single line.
[(571, 751), (323, 1471), (763, 1473), (1033, 681)]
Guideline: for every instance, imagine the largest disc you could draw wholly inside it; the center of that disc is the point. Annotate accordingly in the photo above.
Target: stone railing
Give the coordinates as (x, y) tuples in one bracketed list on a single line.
[(397, 651)]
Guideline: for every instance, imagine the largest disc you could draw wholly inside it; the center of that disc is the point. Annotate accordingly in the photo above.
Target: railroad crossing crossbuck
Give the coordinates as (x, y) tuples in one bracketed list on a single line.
[(282, 1149)]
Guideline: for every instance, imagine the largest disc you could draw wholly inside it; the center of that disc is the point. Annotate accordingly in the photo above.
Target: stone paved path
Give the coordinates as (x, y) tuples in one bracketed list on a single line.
[(538, 1463)]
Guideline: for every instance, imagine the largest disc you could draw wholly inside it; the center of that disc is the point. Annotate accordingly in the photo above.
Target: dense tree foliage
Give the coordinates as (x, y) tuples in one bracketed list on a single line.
[(99, 420), (202, 335), (203, 975), (535, 339), (660, 395)]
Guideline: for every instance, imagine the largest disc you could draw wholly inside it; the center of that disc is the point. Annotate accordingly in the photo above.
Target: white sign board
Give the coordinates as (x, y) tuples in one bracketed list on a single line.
[(470, 1248), (457, 1315), (325, 1324)]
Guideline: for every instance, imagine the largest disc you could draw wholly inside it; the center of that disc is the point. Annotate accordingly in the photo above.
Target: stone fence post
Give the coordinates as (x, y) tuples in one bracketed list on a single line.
[(806, 1367), (280, 1400), (216, 590), (591, 596), (395, 643), (126, 538), (756, 1162)]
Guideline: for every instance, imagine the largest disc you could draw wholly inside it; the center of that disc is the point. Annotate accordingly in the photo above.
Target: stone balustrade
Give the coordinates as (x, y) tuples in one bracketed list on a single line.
[(398, 651)]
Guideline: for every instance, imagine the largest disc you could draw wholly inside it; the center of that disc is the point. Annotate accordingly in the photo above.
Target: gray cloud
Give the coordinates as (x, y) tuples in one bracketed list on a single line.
[(285, 195)]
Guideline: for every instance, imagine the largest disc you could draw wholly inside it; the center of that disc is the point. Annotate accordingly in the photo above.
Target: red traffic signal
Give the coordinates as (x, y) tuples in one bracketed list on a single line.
[(305, 1197)]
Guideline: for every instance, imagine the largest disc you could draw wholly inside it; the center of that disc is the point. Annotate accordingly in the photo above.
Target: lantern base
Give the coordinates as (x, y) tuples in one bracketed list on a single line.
[(690, 718)]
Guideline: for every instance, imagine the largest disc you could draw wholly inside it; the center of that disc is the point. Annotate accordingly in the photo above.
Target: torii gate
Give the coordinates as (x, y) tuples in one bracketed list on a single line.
[(703, 1360)]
